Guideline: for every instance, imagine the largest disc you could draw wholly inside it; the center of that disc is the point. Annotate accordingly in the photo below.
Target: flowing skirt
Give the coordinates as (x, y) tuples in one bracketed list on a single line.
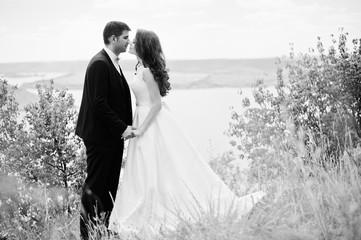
[(165, 177)]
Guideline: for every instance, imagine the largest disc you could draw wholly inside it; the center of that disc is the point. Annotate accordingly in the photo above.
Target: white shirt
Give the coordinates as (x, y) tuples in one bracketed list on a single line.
[(113, 57)]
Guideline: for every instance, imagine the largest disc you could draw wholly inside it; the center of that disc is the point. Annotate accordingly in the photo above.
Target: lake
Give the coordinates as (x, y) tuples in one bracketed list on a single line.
[(204, 114)]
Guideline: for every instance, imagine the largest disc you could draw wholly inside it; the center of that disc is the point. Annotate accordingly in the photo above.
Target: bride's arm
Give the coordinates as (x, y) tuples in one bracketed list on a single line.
[(155, 98)]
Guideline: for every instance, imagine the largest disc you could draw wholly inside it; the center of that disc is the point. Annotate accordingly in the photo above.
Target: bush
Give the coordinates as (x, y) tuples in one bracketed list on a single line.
[(42, 163), (320, 95)]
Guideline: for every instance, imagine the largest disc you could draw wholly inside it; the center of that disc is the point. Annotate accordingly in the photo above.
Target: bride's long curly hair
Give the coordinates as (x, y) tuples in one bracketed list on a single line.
[(149, 50)]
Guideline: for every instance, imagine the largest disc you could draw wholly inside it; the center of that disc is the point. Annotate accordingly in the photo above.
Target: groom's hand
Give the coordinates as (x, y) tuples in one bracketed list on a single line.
[(129, 132)]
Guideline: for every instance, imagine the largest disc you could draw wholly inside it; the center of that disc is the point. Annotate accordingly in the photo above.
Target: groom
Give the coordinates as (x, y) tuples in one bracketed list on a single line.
[(104, 122)]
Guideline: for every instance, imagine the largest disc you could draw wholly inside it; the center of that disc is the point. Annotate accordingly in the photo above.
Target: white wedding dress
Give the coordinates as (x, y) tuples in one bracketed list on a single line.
[(165, 177)]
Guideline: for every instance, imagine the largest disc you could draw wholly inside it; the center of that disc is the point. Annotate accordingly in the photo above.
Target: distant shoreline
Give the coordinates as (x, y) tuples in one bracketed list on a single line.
[(20, 79), (184, 74), (133, 60)]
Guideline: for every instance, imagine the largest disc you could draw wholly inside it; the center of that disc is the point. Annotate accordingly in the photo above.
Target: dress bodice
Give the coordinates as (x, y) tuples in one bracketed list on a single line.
[(140, 89)]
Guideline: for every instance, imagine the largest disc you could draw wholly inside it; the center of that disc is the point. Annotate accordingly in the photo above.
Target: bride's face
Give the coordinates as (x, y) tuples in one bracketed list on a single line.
[(132, 47)]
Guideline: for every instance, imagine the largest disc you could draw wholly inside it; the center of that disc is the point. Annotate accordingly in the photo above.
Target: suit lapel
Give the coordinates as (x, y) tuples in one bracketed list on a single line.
[(124, 81), (119, 77), (110, 61)]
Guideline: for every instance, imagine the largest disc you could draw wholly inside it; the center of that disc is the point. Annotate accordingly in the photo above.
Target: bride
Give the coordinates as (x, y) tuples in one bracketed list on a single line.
[(164, 177)]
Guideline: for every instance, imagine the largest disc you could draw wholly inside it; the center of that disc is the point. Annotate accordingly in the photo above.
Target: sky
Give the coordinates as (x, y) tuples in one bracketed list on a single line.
[(66, 30)]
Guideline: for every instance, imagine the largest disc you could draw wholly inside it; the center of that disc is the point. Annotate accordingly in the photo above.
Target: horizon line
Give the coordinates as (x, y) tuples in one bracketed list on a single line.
[(172, 59)]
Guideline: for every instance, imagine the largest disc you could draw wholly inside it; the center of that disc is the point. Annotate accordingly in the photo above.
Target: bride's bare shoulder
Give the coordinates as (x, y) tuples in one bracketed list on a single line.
[(148, 75)]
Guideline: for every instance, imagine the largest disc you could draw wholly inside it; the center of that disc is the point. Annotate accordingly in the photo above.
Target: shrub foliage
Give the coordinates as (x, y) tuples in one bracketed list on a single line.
[(317, 92), (42, 161)]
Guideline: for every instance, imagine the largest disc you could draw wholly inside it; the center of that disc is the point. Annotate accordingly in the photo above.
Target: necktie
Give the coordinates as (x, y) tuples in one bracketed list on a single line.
[(117, 64)]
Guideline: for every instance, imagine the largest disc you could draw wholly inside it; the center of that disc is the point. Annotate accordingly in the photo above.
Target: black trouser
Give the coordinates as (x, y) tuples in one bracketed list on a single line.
[(100, 187)]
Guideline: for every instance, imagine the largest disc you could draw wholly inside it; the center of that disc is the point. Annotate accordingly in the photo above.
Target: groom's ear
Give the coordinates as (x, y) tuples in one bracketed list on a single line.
[(114, 38), (111, 39)]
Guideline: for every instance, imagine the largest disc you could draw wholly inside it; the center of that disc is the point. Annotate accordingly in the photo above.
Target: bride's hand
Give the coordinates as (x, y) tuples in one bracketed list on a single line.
[(137, 133)]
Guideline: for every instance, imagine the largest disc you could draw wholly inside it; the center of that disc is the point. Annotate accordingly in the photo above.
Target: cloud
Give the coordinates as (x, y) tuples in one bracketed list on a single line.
[(206, 28)]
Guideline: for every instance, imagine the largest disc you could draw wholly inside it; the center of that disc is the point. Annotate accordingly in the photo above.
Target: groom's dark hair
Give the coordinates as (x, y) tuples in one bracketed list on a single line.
[(114, 28)]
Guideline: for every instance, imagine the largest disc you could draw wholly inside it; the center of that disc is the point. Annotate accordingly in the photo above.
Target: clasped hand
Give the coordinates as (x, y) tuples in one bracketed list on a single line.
[(131, 132)]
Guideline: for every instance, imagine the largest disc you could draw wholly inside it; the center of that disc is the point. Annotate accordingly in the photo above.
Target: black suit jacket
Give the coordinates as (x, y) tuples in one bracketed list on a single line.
[(106, 108)]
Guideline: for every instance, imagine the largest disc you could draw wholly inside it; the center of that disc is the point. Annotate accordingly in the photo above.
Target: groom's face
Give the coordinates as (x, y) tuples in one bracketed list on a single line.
[(122, 42)]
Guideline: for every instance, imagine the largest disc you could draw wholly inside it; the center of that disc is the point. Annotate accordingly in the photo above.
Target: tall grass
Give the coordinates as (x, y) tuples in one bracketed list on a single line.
[(313, 199)]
